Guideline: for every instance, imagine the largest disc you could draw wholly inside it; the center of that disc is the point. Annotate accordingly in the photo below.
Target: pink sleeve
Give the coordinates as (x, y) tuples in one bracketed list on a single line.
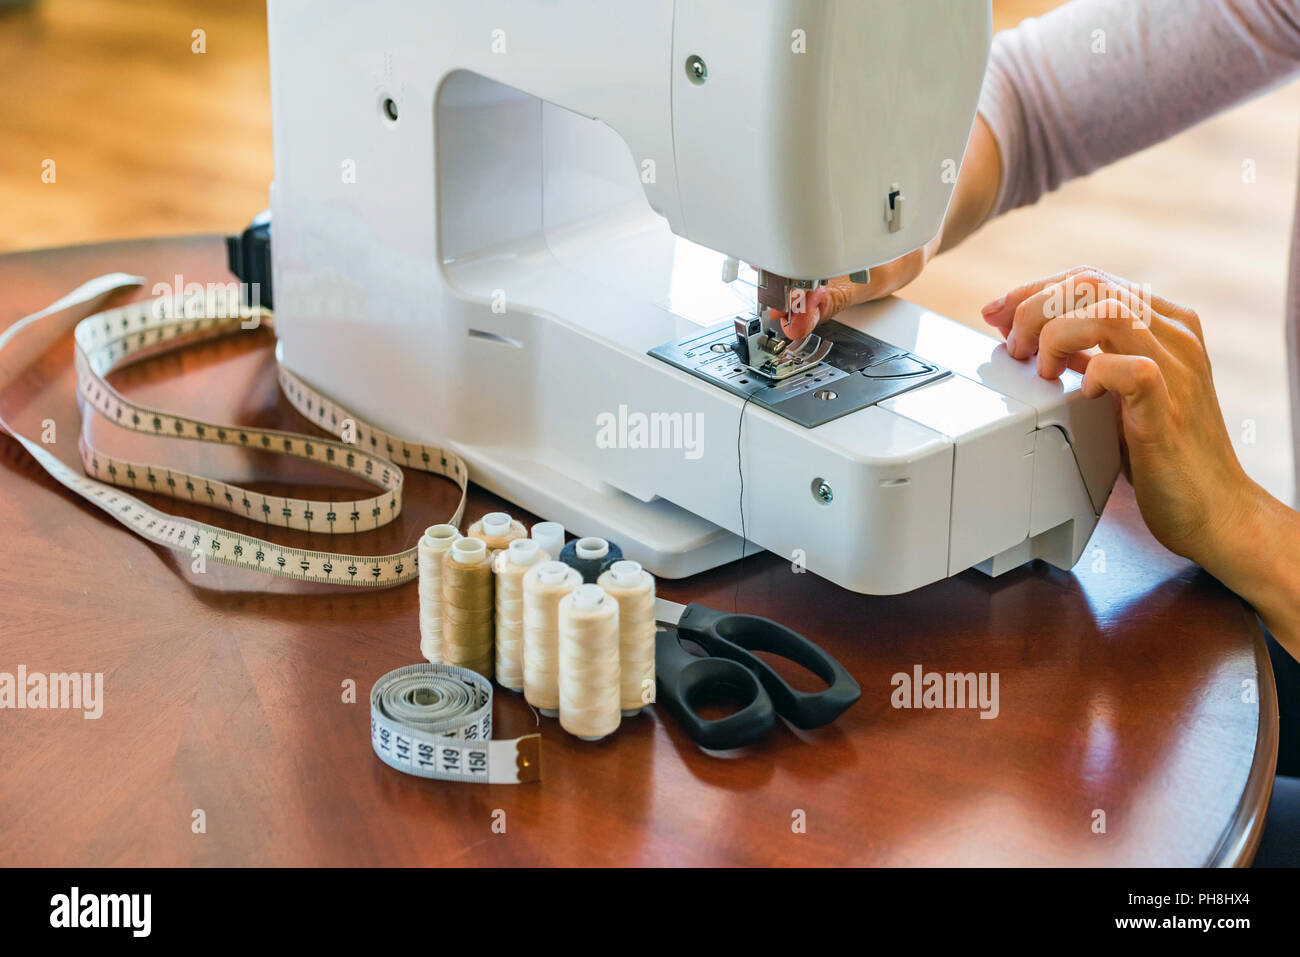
[(1096, 80)]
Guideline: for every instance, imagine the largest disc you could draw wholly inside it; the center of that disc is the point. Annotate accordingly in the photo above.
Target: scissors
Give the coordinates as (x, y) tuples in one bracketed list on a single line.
[(731, 672)]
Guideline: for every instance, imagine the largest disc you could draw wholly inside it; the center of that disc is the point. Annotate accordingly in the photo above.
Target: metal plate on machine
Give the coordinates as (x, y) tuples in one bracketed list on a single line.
[(860, 371)]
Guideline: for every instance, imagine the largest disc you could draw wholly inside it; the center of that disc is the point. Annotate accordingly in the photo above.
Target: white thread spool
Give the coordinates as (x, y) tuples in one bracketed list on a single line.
[(497, 530), (545, 583), (467, 606), (550, 536), (634, 589), (510, 566), (433, 548), (589, 663)]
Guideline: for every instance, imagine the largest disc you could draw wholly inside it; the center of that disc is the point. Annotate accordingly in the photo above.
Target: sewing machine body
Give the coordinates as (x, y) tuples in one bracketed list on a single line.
[(479, 240)]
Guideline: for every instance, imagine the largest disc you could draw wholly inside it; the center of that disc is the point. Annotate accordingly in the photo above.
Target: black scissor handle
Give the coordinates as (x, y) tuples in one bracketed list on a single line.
[(686, 680), (735, 636)]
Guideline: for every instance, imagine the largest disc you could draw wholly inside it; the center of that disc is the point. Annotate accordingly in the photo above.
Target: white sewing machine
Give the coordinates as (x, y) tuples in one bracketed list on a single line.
[(503, 225)]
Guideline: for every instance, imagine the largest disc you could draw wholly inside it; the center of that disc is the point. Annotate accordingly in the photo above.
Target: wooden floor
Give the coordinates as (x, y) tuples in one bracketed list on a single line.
[(148, 138)]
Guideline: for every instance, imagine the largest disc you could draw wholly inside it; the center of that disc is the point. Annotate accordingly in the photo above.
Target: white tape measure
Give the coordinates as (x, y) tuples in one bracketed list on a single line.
[(107, 340), (435, 721)]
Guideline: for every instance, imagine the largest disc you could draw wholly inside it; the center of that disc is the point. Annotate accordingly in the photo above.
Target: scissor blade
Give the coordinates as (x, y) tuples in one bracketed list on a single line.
[(668, 612)]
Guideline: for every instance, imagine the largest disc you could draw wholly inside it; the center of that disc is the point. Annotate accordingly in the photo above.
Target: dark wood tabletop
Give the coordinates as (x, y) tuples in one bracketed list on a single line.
[(1127, 730)]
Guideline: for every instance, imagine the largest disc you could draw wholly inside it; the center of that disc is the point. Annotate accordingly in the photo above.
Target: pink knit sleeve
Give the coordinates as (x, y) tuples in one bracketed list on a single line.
[(1096, 80)]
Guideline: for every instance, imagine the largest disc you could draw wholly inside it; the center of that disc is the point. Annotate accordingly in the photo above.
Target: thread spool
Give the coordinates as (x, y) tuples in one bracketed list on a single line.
[(545, 583), (550, 536), (509, 566), (590, 556), (433, 548), (497, 530), (634, 589), (589, 663), (467, 606)]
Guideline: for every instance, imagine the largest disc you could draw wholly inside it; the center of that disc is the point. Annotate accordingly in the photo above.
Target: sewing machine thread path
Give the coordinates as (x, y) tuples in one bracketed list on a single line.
[(485, 239)]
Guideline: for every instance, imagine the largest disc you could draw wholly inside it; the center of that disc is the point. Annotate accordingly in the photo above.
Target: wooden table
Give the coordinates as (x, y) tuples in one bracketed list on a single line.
[(1124, 685)]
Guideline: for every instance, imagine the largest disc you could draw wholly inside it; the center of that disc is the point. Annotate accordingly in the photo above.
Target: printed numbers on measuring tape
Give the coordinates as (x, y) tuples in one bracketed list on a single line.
[(105, 341), (435, 721)]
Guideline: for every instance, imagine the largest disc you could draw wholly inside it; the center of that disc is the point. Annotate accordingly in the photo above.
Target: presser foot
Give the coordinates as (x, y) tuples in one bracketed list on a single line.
[(765, 352), (791, 359)]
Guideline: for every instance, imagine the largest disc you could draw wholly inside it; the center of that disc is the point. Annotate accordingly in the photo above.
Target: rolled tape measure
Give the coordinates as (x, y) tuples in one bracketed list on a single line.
[(108, 340), (435, 721)]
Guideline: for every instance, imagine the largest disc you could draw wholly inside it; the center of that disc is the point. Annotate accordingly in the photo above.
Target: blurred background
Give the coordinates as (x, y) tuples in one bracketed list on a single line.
[(150, 138)]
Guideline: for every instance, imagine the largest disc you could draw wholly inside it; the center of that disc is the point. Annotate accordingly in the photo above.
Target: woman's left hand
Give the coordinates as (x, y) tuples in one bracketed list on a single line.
[(1193, 493)]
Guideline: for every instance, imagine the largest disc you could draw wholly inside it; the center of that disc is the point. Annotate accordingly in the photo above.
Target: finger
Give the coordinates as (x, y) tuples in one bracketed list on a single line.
[(999, 312), (1076, 292), (1141, 386), (841, 292), (1066, 291), (1107, 324), (815, 306), (797, 325), (804, 313), (1135, 292)]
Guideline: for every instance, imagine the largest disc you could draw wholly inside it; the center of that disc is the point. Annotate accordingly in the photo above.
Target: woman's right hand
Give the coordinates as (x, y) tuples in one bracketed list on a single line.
[(972, 201), (842, 292)]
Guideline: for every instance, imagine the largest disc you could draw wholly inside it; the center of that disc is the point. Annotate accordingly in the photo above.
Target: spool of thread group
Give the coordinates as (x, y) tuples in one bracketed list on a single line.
[(545, 584), (510, 565), (590, 556), (467, 606), (550, 536), (497, 530), (433, 548), (590, 690), (634, 589)]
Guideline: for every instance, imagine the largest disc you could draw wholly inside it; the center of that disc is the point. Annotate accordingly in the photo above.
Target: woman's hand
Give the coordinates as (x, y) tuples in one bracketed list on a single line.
[(972, 201), (1191, 489), (842, 292), (1194, 495)]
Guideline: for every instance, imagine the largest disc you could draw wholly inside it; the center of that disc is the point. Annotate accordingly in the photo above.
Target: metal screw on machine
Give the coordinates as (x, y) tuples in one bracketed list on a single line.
[(696, 71), (823, 491)]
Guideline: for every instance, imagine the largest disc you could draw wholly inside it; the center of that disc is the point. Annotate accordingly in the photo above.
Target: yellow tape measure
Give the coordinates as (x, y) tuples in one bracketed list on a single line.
[(107, 340)]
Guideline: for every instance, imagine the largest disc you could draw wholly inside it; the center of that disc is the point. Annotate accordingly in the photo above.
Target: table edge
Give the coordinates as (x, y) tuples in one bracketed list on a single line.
[(1241, 838)]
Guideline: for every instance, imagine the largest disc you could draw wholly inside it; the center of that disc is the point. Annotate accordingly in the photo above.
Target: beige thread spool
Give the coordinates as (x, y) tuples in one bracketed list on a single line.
[(510, 565), (590, 691), (467, 606), (433, 548), (544, 585), (550, 536), (497, 530), (634, 589)]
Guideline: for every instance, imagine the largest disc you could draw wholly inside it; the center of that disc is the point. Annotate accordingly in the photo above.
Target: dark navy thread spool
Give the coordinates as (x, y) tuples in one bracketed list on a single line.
[(590, 556)]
